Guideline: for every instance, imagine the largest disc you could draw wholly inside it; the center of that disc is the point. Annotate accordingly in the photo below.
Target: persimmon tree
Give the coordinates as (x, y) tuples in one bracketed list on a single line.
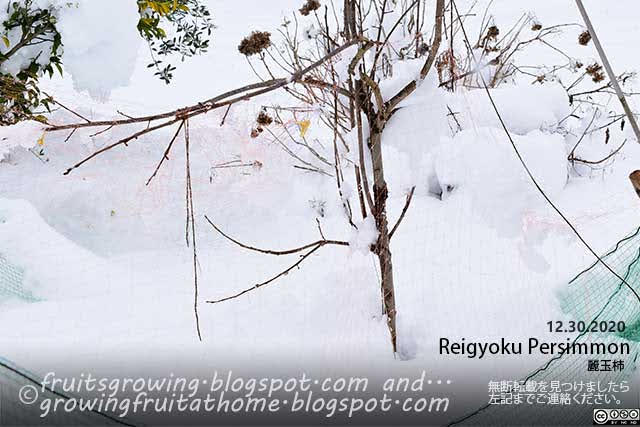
[(351, 105)]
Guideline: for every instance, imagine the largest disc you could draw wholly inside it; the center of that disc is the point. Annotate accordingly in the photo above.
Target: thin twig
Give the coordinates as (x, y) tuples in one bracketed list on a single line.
[(225, 115), (259, 285), (191, 220), (165, 155), (594, 162), (320, 229), (70, 135), (120, 142), (75, 113), (99, 132), (322, 242), (404, 211)]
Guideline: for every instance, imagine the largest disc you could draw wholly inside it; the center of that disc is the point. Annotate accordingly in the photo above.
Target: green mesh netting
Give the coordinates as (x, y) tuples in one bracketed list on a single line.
[(11, 282), (595, 294)]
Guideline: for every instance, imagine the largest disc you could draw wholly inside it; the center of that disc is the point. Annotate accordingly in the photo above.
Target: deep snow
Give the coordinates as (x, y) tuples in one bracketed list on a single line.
[(108, 253)]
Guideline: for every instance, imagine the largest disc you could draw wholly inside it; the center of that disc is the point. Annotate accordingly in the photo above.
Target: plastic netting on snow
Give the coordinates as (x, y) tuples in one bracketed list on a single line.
[(595, 294), (12, 282)]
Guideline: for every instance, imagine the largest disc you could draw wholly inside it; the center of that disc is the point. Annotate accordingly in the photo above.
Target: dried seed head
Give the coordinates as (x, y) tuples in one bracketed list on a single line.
[(309, 7), (595, 71), (264, 119), (635, 181), (423, 49), (584, 38), (492, 32), (536, 27), (255, 43)]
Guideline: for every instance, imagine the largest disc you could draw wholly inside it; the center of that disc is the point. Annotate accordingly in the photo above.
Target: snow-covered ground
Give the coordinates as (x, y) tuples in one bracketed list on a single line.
[(107, 254)]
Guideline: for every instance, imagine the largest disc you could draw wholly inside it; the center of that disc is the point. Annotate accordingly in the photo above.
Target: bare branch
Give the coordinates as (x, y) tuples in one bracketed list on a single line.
[(404, 211), (121, 142), (67, 108), (274, 278), (245, 93), (322, 242), (217, 101), (433, 52), (165, 156), (376, 92), (191, 221), (595, 162)]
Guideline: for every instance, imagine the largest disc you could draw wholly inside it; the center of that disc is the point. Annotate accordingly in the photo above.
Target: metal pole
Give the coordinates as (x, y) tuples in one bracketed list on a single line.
[(607, 67)]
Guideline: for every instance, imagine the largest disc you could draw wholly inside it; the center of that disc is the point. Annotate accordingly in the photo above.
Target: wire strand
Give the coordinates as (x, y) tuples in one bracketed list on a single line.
[(528, 171)]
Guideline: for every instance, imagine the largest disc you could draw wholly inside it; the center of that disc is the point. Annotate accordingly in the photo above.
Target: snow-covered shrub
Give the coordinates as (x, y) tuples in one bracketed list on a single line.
[(31, 45), (496, 53), (33, 34)]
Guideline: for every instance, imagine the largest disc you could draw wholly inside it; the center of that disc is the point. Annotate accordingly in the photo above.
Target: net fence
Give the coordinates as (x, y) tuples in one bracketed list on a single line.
[(15, 380), (12, 282), (594, 295)]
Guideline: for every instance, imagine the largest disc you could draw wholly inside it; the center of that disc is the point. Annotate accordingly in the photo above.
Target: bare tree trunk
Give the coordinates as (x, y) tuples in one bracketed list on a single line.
[(382, 247), (377, 122)]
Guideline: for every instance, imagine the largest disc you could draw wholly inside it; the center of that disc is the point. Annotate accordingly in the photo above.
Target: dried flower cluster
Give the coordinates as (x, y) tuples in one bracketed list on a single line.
[(264, 119), (595, 71), (493, 32), (584, 38), (309, 7), (491, 35), (256, 132), (255, 43), (448, 67)]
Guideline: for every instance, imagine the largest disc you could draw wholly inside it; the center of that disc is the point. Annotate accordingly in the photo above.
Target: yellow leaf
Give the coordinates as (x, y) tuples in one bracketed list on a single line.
[(304, 127), (41, 140), (6, 41)]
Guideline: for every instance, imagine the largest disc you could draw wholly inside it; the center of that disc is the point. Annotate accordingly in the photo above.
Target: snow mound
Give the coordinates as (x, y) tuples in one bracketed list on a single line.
[(524, 107), (24, 134), (53, 265), (484, 165)]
